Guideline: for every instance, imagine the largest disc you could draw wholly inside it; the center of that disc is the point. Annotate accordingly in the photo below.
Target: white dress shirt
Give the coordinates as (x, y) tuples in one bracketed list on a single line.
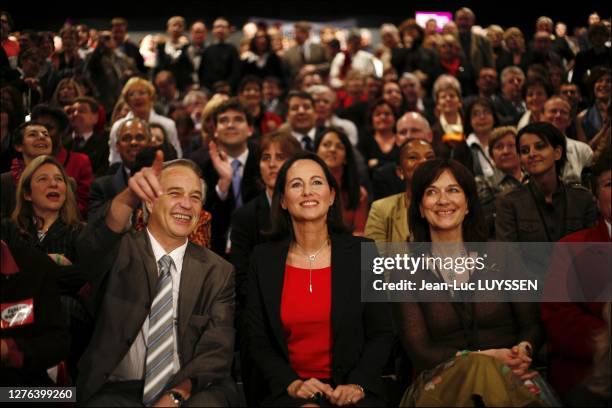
[(132, 366), (483, 155)]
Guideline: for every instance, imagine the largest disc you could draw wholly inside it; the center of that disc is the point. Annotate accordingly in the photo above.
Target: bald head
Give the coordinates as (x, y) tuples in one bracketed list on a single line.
[(413, 125)]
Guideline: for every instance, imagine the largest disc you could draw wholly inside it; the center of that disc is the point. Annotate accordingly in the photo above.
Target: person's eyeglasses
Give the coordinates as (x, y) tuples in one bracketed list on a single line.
[(139, 138)]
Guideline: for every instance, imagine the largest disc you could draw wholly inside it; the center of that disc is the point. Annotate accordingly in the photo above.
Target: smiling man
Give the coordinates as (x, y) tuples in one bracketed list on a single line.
[(164, 333)]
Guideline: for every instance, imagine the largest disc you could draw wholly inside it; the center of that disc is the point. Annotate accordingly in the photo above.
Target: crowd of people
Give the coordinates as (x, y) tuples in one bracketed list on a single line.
[(185, 214)]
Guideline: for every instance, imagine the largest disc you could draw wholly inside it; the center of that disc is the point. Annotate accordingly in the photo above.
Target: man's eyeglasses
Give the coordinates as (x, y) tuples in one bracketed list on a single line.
[(139, 138)]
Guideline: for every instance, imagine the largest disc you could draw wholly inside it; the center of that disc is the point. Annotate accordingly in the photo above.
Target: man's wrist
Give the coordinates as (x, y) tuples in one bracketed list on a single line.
[(177, 397), (224, 185)]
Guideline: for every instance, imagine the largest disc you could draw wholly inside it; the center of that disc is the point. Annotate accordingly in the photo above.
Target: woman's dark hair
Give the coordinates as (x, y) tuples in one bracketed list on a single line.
[(281, 225), (538, 81), (595, 75), (474, 226), (408, 24), (467, 119), (374, 106), (19, 133), (549, 134), (253, 45), (350, 179)]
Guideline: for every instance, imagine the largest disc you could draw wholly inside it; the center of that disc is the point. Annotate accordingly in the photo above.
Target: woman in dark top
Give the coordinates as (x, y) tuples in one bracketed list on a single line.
[(309, 333), (334, 147), (543, 209), (260, 60), (456, 339), (377, 145), (248, 224), (46, 218)]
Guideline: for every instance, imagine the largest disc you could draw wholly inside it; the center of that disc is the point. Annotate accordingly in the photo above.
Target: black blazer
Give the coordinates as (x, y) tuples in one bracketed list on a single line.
[(222, 210), (248, 222), (362, 332), (104, 189), (96, 148), (386, 182)]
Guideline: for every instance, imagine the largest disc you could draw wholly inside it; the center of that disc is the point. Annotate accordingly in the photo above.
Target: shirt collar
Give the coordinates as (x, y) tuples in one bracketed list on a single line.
[(242, 158), (311, 134), (473, 139), (177, 254), (609, 228), (85, 136)]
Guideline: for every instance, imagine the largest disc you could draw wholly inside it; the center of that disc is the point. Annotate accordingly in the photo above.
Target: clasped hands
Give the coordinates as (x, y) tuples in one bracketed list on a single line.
[(518, 361), (342, 395)]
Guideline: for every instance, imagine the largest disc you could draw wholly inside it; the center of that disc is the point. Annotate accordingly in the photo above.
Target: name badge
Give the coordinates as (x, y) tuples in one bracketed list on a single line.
[(17, 314)]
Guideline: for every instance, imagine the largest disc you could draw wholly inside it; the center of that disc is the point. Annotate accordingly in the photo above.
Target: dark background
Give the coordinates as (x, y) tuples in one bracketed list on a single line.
[(152, 15)]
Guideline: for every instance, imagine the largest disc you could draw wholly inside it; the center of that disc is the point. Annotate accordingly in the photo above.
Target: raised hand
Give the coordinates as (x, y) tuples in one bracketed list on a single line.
[(222, 166), (146, 183)]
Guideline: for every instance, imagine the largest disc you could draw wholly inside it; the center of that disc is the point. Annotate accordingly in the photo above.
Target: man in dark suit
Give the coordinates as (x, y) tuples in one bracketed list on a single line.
[(476, 48), (302, 118), (232, 171), (510, 105), (220, 61), (83, 139), (133, 136), (164, 307), (187, 65), (119, 30), (304, 52)]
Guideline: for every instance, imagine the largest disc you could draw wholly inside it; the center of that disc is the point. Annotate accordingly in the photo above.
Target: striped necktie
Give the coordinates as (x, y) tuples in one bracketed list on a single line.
[(160, 339)]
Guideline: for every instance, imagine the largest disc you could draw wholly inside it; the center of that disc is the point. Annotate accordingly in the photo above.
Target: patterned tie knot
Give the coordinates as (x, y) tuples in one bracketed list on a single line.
[(165, 263), (307, 142)]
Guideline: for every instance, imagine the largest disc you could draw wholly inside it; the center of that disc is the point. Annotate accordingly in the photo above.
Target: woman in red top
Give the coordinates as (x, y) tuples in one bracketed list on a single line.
[(308, 332), (334, 147)]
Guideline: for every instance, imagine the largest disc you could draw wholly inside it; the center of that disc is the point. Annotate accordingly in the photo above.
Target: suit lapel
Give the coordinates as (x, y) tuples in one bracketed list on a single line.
[(192, 279), (399, 218), (340, 276), (271, 282), (262, 215), (250, 176), (148, 260)]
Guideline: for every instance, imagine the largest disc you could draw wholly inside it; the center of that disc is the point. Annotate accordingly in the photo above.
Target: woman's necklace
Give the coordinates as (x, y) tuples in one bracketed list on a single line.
[(311, 258), (449, 275)]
